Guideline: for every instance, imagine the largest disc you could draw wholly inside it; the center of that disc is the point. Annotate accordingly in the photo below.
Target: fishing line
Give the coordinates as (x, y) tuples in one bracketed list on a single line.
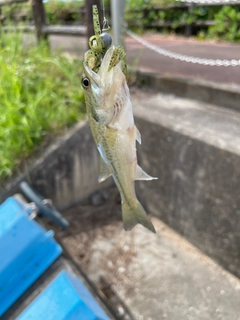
[(105, 21)]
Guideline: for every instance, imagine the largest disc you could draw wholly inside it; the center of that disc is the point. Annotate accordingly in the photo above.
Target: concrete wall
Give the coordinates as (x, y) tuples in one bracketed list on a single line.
[(194, 150), (197, 192), (221, 94), (66, 172)]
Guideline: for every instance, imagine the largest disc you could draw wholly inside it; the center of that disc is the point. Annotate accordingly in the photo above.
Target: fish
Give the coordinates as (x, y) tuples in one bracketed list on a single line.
[(110, 115)]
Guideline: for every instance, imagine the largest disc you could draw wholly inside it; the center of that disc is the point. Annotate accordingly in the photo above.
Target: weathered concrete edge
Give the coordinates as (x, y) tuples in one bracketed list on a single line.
[(220, 94), (66, 171), (197, 191)]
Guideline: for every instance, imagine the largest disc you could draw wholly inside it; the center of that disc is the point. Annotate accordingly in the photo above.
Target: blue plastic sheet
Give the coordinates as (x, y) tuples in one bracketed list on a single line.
[(65, 298), (26, 251)]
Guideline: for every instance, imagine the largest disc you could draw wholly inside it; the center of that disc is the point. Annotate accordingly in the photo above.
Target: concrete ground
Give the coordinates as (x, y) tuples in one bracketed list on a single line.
[(147, 60), (156, 276)]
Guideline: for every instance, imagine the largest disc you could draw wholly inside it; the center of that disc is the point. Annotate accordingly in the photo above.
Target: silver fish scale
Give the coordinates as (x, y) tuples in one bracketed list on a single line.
[(185, 58)]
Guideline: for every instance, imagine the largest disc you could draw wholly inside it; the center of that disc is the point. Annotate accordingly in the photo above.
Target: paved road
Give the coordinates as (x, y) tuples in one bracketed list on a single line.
[(148, 60)]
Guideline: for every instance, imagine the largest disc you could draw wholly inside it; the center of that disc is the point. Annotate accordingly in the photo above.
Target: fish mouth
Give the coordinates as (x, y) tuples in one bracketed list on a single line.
[(90, 73), (108, 71), (104, 70)]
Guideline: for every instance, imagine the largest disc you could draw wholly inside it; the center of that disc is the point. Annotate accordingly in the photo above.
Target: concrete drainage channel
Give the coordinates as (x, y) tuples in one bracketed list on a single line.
[(189, 269)]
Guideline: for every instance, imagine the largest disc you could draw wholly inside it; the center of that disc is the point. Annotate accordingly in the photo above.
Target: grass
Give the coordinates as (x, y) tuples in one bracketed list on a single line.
[(40, 94)]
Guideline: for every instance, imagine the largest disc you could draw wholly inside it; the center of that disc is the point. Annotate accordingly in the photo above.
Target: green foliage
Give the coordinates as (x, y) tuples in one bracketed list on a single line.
[(17, 12), (133, 4), (40, 94), (140, 4), (57, 11), (227, 22), (176, 15), (60, 12), (226, 18)]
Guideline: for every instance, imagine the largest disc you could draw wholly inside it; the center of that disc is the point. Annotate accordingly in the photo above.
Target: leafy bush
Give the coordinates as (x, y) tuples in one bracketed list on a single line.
[(226, 18), (60, 12), (141, 4), (227, 22), (57, 11), (17, 12), (40, 94)]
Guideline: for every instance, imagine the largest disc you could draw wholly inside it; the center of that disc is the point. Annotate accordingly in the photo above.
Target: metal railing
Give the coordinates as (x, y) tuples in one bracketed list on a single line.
[(185, 58), (40, 26)]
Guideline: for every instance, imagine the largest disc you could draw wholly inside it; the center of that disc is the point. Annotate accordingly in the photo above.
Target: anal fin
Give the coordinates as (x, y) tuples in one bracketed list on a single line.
[(142, 175), (105, 171)]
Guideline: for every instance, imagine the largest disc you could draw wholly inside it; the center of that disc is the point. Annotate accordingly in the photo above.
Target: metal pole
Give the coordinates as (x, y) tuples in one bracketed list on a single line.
[(117, 13)]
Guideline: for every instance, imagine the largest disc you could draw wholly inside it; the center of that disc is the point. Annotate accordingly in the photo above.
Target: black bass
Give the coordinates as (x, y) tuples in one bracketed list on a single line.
[(110, 115)]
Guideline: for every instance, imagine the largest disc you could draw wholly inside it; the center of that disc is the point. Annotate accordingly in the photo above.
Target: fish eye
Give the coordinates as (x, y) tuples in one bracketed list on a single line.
[(85, 82)]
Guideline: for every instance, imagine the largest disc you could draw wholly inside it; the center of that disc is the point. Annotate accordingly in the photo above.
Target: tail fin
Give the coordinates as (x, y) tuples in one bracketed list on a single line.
[(134, 215)]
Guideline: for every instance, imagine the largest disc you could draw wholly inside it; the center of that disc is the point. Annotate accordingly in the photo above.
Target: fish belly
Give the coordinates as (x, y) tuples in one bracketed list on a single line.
[(118, 152), (124, 164)]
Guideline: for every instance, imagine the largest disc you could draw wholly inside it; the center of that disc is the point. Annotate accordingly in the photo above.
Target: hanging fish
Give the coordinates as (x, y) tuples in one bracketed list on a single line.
[(110, 115)]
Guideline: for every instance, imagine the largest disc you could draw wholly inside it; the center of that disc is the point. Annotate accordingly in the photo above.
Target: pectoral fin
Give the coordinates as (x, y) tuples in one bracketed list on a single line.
[(138, 135), (142, 175), (105, 171)]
